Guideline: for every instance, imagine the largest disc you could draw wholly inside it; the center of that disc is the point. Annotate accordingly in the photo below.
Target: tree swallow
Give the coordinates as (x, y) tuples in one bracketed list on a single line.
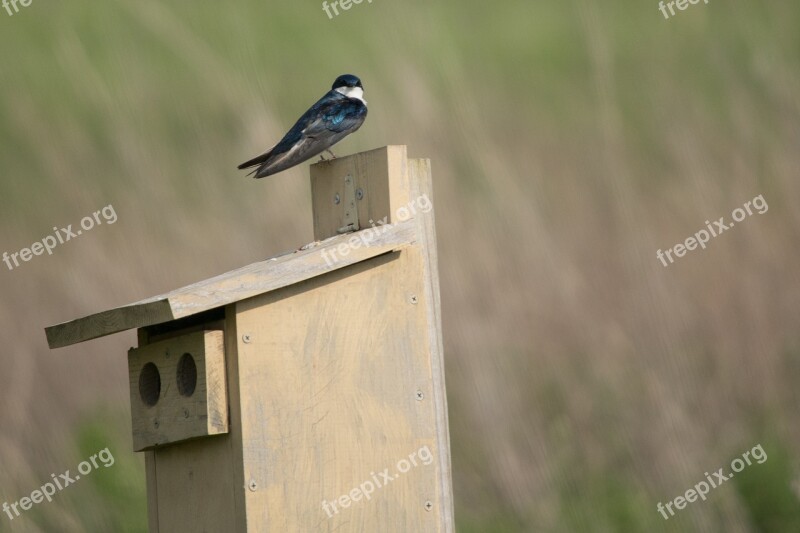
[(335, 116)]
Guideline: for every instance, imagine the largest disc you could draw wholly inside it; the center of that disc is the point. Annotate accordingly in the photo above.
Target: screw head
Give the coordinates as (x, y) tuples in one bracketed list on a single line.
[(337, 199), (420, 396), (252, 485), (359, 194), (246, 338), (413, 299), (185, 413), (428, 505), (155, 423)]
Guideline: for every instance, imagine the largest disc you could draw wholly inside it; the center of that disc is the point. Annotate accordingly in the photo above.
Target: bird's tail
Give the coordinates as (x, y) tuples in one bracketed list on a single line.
[(256, 160)]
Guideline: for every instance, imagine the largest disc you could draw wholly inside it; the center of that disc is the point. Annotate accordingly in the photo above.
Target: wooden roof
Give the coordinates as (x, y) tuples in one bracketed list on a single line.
[(246, 282)]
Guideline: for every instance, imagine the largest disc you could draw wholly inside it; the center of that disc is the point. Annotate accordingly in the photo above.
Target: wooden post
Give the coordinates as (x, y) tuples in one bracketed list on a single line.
[(332, 365)]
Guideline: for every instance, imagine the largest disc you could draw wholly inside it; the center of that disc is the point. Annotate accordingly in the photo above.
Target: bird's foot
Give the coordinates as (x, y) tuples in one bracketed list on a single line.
[(333, 156)]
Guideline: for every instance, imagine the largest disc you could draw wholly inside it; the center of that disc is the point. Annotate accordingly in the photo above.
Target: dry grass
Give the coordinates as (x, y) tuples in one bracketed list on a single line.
[(586, 381)]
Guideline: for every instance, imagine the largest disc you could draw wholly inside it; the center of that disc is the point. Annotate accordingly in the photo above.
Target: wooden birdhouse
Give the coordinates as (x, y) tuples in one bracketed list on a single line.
[(305, 392)]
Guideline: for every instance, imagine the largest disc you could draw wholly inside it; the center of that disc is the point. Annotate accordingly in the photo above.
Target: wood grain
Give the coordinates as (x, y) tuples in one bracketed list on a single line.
[(381, 197), (176, 416), (329, 397), (421, 184)]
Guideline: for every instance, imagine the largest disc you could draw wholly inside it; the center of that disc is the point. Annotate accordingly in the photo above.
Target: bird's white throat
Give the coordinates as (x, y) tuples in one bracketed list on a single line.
[(352, 92)]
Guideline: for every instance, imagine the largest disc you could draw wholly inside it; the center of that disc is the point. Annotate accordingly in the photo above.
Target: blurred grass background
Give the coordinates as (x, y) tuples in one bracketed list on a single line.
[(570, 140)]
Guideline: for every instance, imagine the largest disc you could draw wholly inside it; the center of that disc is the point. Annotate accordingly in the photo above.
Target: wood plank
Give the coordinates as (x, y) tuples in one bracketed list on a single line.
[(236, 285), (234, 438), (152, 491), (381, 197), (421, 184), (195, 483), (175, 413), (329, 380)]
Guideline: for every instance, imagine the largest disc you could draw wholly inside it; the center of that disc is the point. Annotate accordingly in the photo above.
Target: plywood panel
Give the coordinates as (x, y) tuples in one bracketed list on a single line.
[(421, 184), (178, 389), (195, 486), (381, 176), (336, 387)]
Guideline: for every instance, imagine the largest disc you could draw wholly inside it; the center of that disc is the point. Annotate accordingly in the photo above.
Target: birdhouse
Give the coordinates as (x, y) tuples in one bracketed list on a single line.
[(305, 392)]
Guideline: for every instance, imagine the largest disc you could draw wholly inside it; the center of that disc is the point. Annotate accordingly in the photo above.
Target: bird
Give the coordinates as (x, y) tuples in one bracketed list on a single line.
[(335, 116)]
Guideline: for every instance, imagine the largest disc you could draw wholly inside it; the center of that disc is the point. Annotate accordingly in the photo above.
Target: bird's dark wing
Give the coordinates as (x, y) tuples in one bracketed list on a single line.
[(329, 120), (292, 136), (337, 117)]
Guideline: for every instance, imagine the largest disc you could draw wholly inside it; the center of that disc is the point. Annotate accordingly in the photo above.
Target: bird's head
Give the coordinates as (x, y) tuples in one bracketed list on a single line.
[(350, 86)]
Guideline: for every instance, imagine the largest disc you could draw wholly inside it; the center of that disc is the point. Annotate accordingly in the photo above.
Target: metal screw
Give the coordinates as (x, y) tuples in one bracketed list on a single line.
[(420, 396), (252, 485), (413, 299), (246, 338), (428, 505), (337, 199), (155, 423), (359, 194)]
